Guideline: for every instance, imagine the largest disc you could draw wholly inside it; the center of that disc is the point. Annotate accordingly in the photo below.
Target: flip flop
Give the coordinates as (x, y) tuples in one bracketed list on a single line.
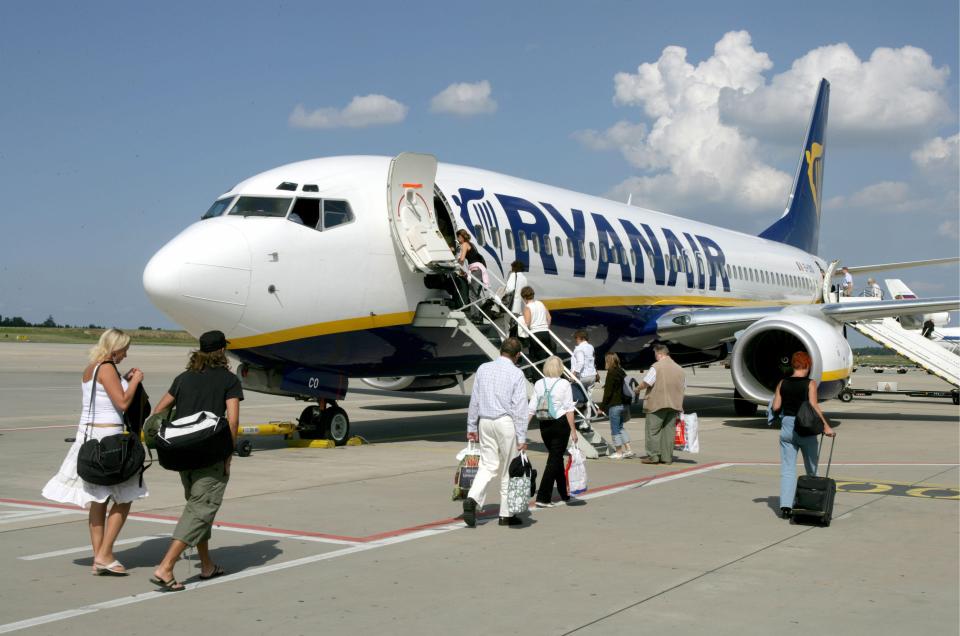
[(110, 569), (217, 571), (168, 586)]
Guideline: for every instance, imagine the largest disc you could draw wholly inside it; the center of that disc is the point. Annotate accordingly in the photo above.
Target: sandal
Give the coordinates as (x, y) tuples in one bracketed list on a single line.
[(114, 568), (168, 586), (217, 571)]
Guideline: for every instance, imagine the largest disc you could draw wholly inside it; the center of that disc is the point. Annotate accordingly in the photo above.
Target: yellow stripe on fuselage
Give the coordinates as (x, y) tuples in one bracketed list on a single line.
[(406, 317)]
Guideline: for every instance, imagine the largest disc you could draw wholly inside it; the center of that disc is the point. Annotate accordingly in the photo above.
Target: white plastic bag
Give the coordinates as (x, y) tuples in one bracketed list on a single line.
[(576, 472), (519, 485), (691, 431), (469, 461)]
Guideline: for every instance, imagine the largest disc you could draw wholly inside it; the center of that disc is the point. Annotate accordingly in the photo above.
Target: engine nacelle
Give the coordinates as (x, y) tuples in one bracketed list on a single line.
[(761, 357), (413, 383)]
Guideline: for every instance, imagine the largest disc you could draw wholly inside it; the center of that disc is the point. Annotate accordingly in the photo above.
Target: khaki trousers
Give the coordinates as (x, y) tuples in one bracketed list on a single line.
[(661, 429), (203, 489)]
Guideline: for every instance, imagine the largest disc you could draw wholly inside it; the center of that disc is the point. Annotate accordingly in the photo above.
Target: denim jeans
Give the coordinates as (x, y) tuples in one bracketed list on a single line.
[(620, 435), (790, 443)]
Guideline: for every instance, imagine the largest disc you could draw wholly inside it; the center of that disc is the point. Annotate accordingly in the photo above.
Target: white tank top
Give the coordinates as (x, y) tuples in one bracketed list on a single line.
[(538, 316), (104, 412)]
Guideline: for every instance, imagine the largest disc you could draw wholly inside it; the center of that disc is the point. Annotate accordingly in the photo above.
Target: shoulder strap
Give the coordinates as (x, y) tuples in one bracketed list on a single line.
[(93, 399)]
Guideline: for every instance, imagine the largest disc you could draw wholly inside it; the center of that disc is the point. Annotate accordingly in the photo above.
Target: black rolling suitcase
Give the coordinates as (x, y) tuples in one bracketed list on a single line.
[(815, 495)]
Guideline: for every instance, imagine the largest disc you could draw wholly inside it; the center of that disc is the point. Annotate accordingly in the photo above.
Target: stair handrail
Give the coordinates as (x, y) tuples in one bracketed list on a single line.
[(522, 328)]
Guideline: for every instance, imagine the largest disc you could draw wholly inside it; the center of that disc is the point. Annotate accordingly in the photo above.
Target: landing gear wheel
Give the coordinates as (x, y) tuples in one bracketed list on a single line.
[(311, 425), (244, 448), (825, 521), (743, 408), (846, 395), (336, 425)]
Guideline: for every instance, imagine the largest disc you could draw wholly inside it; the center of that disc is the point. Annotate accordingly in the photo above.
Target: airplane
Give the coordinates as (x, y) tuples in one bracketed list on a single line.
[(946, 337), (316, 270)]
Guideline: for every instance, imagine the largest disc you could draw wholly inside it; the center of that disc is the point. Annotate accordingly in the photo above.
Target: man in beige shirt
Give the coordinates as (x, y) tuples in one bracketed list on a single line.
[(665, 383)]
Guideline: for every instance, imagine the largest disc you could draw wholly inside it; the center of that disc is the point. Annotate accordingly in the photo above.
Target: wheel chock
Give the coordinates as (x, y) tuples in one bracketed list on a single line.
[(310, 443), (356, 440)]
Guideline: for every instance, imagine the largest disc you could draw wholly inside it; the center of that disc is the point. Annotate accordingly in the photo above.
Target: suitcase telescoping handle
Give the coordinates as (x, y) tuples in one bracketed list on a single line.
[(833, 440)]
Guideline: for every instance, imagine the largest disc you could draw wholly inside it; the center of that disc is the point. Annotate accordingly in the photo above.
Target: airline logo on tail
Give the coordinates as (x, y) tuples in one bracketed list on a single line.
[(815, 172)]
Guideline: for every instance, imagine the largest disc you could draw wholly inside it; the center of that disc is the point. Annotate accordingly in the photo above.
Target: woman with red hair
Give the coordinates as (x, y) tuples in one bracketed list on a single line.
[(790, 394)]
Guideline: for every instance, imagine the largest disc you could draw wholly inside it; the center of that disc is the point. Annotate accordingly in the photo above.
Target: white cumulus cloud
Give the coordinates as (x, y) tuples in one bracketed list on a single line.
[(695, 139), (464, 99), (950, 229), (362, 111), (888, 97), (695, 159)]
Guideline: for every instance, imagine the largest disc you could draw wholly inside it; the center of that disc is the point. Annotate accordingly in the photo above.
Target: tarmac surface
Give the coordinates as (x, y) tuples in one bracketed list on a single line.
[(365, 539)]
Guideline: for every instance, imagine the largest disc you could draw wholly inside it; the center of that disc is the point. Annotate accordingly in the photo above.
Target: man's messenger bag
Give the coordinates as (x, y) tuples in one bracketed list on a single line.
[(195, 441)]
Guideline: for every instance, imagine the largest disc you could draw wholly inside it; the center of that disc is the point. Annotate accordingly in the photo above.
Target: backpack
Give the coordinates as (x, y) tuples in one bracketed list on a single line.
[(629, 390), (545, 410)]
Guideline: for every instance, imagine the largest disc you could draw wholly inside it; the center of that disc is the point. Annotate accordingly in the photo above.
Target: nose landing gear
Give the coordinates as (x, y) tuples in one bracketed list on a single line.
[(325, 421)]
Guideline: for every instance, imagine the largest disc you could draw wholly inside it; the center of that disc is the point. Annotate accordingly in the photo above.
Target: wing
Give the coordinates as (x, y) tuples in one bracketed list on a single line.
[(862, 269), (706, 327)]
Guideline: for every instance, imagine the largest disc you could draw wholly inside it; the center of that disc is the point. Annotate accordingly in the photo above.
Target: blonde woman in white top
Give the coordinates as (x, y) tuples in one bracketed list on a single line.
[(555, 413), (111, 396), (537, 318)]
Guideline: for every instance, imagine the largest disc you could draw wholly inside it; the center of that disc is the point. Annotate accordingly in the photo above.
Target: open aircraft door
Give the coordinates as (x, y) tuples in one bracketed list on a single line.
[(413, 219)]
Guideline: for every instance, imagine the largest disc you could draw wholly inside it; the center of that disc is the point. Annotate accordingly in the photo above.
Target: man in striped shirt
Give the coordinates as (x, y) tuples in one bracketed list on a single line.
[(498, 418)]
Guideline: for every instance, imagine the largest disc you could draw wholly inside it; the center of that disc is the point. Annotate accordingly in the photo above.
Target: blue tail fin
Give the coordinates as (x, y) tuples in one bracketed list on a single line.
[(800, 224)]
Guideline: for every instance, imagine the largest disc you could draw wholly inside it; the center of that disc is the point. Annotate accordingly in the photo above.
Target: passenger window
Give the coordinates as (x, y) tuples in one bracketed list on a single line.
[(603, 253), (570, 246), (261, 206), (623, 255), (593, 251), (614, 255), (547, 246), (559, 247), (508, 238), (219, 207), (522, 240), (495, 237), (336, 213), (583, 254), (535, 241), (633, 256), (306, 212), (478, 233)]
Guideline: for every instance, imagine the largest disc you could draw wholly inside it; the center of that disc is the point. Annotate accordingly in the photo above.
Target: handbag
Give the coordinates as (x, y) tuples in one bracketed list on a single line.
[(469, 459), (807, 422), (113, 459), (193, 442), (521, 485)]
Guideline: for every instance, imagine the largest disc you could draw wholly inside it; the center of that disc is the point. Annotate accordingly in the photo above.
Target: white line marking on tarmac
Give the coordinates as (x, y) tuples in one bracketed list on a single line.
[(354, 549), (86, 548)]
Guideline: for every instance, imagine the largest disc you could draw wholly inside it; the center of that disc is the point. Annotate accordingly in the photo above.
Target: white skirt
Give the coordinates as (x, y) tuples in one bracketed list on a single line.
[(67, 486)]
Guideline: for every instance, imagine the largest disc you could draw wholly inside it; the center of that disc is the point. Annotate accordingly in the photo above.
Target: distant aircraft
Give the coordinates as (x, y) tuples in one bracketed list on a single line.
[(947, 337), (316, 271)]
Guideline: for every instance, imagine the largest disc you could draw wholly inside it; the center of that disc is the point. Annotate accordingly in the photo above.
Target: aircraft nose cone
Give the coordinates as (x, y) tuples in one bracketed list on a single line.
[(201, 278)]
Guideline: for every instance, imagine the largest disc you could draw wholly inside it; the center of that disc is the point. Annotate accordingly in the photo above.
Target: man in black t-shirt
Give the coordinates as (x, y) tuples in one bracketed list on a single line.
[(206, 385)]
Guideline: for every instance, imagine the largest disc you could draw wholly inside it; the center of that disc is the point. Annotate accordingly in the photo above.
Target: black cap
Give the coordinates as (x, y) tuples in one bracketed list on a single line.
[(213, 341)]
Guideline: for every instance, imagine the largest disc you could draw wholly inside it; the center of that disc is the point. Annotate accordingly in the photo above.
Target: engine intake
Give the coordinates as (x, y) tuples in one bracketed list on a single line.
[(761, 357)]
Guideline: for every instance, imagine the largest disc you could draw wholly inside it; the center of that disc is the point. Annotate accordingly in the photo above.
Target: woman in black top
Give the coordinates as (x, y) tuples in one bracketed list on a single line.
[(790, 394), (613, 404), (206, 385)]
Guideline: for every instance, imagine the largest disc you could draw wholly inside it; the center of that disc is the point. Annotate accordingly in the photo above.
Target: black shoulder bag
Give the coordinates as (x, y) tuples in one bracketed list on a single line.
[(807, 421), (113, 459)]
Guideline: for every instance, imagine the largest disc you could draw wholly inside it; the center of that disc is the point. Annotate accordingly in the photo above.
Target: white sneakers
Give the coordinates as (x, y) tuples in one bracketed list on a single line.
[(617, 455)]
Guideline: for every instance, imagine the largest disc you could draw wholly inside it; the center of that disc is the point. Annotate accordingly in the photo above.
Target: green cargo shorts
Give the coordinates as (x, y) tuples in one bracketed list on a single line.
[(203, 489)]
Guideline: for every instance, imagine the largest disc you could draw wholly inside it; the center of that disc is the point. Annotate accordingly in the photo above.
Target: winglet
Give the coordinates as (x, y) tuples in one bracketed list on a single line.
[(800, 224)]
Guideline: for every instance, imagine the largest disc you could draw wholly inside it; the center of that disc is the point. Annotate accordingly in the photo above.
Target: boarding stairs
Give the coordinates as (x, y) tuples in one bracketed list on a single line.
[(486, 321), (910, 344)]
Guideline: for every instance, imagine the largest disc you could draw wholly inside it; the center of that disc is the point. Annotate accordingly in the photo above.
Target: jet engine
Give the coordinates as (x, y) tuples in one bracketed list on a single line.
[(412, 383), (761, 357)]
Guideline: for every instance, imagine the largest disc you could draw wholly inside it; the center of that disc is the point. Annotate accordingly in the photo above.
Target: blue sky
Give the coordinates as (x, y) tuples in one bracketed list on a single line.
[(120, 122)]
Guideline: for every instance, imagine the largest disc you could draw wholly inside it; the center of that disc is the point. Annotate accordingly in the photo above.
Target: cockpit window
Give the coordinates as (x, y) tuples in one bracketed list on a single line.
[(306, 212), (219, 207), (336, 213), (261, 206)]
